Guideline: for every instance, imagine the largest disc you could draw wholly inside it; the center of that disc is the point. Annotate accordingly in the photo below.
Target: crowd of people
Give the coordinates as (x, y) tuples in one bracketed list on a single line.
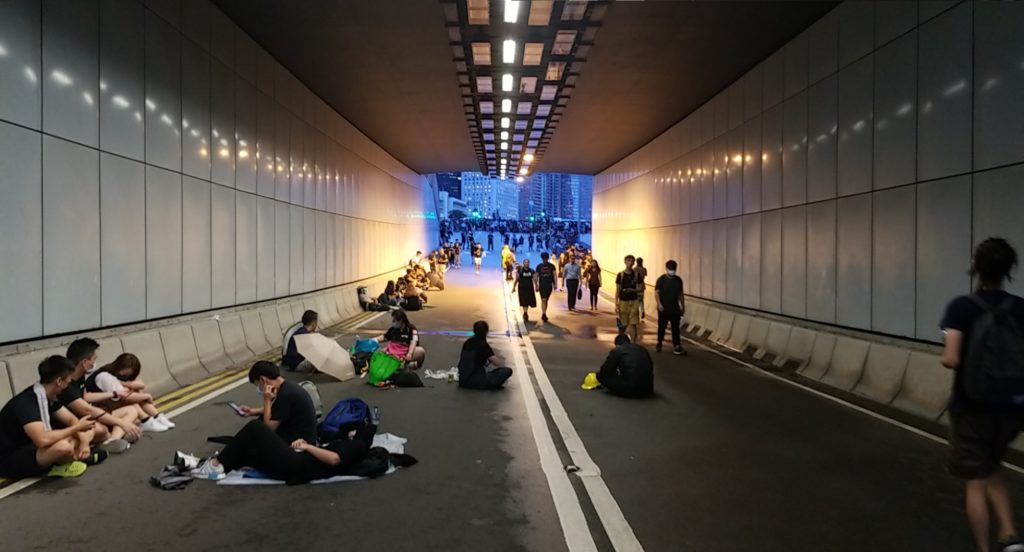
[(538, 236)]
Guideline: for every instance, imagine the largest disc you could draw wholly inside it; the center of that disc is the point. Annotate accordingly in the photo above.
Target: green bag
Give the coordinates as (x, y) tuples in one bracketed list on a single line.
[(382, 366)]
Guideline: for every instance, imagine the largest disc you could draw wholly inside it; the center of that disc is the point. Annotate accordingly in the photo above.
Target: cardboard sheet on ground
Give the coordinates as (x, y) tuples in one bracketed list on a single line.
[(393, 443), (326, 355)]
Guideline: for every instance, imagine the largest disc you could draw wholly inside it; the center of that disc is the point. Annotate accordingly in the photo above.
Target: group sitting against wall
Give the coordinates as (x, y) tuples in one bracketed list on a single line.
[(75, 415)]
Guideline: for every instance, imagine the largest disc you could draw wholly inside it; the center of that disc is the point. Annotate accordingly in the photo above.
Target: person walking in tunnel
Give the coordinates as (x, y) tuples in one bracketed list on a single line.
[(641, 274), (572, 281), (984, 345), (628, 371), (475, 359), (545, 283), (627, 305), (593, 277), (490, 241), (668, 293), (525, 282)]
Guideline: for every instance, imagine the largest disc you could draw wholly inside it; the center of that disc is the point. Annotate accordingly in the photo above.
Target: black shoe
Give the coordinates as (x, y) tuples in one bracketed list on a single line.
[(657, 348), (96, 456), (679, 351), (526, 317), (544, 317)]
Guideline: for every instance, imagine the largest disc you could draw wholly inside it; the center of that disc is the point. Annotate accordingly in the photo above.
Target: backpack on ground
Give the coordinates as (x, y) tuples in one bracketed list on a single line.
[(994, 367), (347, 414), (314, 395)]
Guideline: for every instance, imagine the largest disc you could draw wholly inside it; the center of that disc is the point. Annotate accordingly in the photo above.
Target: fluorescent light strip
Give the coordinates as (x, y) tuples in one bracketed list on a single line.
[(508, 51)]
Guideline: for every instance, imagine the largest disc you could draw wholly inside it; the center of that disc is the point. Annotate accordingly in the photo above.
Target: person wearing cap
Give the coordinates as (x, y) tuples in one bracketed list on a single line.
[(628, 371)]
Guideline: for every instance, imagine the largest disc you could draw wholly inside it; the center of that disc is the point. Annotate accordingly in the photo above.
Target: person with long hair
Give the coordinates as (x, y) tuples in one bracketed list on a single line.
[(982, 329), (402, 341), (121, 378), (593, 276)]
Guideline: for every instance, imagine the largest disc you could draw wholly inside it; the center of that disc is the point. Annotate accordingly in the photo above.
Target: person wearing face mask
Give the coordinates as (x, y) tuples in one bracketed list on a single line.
[(668, 291), (287, 408), (402, 341)]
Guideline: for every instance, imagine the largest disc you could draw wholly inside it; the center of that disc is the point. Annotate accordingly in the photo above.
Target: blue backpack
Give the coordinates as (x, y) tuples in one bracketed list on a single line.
[(347, 414)]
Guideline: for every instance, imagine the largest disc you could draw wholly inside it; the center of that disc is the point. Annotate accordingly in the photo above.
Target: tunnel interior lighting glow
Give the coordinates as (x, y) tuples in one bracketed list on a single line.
[(504, 135), (506, 82), (506, 105), (505, 122), (504, 145), (508, 51), (528, 158), (524, 170), (511, 11)]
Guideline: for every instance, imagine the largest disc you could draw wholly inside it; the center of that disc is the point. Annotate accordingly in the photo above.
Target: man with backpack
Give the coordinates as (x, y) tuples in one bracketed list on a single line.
[(668, 292), (627, 299), (984, 345)]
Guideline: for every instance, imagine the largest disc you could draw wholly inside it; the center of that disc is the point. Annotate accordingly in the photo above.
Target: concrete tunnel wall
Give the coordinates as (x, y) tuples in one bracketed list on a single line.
[(155, 162), (843, 180)]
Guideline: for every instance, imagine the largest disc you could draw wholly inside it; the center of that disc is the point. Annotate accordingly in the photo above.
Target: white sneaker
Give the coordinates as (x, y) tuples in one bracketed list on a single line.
[(153, 425), (163, 419), (208, 470), (114, 446)]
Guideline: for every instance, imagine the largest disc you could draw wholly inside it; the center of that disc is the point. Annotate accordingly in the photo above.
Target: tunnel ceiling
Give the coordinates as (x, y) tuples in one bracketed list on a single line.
[(392, 68)]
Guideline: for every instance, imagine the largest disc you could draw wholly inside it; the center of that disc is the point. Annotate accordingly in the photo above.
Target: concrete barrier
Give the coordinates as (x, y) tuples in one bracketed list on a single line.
[(181, 355), (711, 322), (757, 335), (339, 303), (798, 349), (210, 346), (5, 384), (309, 303), (724, 329), (738, 337), (255, 338), (775, 343), (297, 309), (284, 316), (332, 307), (821, 357), (883, 373), (233, 336), (847, 364), (698, 314), (150, 350), (24, 369), (352, 299), (110, 348), (926, 386), (271, 328)]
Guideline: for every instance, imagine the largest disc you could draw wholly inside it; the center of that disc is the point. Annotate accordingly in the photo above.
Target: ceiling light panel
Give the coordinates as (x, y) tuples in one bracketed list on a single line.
[(506, 105), (548, 92), (555, 70), (563, 43), (479, 12), (574, 10), (506, 82), (481, 53), (532, 53), (508, 51), (486, 107), (540, 12), (524, 108), (512, 11), (521, 124), (484, 85), (527, 85)]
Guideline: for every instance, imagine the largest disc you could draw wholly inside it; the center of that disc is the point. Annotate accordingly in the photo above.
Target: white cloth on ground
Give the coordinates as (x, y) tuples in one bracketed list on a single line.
[(442, 374)]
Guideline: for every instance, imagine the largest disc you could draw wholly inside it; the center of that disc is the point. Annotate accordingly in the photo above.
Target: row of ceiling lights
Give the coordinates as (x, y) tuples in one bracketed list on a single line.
[(508, 55)]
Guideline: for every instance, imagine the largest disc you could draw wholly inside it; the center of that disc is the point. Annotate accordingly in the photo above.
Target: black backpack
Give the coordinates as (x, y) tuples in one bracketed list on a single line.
[(994, 367)]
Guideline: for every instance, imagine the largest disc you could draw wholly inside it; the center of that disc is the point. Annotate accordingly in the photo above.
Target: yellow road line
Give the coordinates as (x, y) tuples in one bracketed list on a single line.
[(202, 383)]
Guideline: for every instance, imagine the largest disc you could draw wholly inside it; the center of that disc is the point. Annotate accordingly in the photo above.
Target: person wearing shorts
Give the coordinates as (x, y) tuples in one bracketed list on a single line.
[(981, 433), (546, 274), (627, 303)]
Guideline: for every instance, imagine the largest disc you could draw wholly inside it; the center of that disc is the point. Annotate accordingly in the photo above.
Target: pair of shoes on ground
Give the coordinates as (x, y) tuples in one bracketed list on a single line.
[(157, 424), (676, 351), (209, 471)]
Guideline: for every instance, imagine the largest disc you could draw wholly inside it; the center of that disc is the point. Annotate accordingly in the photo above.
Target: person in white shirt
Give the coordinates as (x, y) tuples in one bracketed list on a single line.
[(121, 379)]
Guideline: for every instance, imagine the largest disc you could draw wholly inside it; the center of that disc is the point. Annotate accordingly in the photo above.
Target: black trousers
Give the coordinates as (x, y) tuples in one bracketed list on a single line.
[(594, 288), (572, 288), (612, 381), (257, 446), (664, 319), (494, 379)]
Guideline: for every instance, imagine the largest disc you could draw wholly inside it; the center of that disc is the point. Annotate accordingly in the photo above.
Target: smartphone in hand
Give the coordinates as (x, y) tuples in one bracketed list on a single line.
[(238, 409)]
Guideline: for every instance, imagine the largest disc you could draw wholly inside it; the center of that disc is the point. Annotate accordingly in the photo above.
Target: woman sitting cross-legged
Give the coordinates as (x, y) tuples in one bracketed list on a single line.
[(477, 355), (121, 378), (402, 341)]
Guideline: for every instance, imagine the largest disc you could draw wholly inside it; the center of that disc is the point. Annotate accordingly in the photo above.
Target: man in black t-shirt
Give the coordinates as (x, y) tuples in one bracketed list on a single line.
[(627, 299), (668, 292), (287, 408), (476, 356), (546, 274), (30, 442), (980, 433)]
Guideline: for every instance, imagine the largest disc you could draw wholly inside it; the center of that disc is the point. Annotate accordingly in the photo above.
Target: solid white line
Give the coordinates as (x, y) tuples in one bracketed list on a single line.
[(837, 400), (17, 486), (567, 505), (619, 532)]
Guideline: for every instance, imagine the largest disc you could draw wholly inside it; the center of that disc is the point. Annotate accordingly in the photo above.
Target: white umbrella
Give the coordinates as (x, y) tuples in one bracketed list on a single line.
[(326, 355)]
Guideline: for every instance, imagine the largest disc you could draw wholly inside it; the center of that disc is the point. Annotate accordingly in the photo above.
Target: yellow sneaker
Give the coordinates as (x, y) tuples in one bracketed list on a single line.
[(72, 469)]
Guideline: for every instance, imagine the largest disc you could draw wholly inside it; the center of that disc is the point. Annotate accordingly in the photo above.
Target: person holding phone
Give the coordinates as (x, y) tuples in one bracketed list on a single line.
[(31, 443), (287, 409)]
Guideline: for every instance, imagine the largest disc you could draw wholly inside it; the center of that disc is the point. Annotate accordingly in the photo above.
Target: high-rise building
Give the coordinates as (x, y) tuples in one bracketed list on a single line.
[(490, 197), (451, 183)]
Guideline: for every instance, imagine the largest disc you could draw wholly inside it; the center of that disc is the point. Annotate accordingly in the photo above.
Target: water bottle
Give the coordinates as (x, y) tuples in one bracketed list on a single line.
[(375, 418)]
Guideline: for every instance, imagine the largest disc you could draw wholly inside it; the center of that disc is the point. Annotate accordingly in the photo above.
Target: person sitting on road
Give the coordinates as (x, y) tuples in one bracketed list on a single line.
[(389, 298), (114, 429), (30, 445), (121, 378), (298, 461), (628, 371), (413, 298), (292, 359), (287, 408), (476, 356), (402, 341)]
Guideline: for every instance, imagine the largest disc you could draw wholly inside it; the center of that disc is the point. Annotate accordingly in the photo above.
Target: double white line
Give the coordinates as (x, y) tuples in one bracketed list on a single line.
[(578, 536)]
